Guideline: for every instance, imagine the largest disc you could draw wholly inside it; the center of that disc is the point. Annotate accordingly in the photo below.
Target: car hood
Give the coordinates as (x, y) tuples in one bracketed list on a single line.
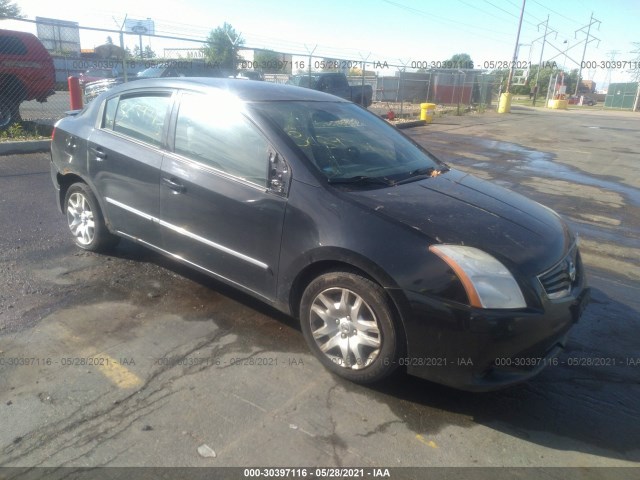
[(458, 208)]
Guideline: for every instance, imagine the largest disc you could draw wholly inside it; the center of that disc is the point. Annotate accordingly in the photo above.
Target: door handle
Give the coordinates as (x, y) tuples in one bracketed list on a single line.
[(99, 153), (177, 187)]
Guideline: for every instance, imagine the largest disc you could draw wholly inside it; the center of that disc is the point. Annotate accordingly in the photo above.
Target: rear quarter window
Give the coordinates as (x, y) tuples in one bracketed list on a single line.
[(141, 117)]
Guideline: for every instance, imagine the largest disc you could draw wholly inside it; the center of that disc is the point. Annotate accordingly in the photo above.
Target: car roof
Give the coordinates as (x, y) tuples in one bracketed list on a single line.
[(16, 33), (246, 91)]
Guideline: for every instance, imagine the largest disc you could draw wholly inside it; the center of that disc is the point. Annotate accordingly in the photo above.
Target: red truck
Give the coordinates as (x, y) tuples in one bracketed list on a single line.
[(26, 73)]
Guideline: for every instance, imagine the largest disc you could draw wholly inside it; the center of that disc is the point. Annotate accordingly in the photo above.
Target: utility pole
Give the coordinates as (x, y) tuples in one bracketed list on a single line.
[(592, 21), (400, 92), (310, 52), (364, 66), (505, 99), (515, 50), (612, 56), (635, 72), (233, 41), (544, 40), (124, 53)]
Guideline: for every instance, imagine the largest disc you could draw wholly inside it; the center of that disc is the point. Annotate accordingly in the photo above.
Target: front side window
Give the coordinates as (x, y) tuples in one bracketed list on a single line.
[(139, 116), (216, 133)]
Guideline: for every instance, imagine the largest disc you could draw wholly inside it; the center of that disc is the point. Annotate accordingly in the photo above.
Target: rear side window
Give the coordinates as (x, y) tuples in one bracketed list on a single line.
[(221, 137), (140, 116), (12, 46)]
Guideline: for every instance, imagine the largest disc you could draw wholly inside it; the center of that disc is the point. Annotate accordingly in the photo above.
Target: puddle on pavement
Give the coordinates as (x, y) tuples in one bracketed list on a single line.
[(481, 154), (528, 160)]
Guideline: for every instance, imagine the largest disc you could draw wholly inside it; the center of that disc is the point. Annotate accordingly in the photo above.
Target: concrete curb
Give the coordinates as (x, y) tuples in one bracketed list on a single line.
[(415, 123), (30, 146)]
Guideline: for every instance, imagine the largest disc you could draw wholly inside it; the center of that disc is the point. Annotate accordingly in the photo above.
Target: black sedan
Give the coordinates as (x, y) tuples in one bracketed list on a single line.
[(388, 257)]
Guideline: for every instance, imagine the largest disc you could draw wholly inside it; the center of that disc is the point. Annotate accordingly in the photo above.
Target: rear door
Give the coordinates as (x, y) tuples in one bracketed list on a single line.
[(125, 157), (216, 210)]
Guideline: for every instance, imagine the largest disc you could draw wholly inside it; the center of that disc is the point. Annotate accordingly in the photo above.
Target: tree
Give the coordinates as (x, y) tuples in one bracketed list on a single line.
[(146, 52), (548, 73), (269, 61), (9, 9), (459, 60), (222, 46)]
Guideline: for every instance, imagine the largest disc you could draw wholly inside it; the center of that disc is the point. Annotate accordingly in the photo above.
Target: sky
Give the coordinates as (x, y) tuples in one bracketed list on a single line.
[(398, 32)]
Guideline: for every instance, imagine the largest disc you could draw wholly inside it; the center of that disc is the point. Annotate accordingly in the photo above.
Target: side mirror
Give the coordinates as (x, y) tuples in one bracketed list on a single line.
[(279, 174)]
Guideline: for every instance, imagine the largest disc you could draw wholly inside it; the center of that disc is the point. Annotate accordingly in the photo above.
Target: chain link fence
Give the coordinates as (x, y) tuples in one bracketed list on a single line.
[(36, 62)]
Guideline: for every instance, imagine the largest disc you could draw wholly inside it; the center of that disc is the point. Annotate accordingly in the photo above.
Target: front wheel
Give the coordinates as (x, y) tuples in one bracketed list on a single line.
[(349, 325), (85, 219)]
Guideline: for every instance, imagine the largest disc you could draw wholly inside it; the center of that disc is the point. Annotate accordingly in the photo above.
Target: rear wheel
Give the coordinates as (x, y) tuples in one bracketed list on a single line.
[(349, 325), (85, 219), (9, 113)]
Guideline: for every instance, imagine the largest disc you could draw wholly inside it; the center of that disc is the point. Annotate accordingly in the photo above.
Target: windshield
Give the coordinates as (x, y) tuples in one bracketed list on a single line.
[(345, 142), (94, 72), (152, 72)]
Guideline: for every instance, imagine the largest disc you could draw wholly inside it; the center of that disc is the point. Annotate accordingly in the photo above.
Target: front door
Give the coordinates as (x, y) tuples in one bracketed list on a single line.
[(216, 211)]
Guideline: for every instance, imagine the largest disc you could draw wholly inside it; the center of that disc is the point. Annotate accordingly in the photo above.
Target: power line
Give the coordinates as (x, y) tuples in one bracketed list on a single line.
[(509, 13), (455, 22), (527, 13), (557, 13), (500, 8)]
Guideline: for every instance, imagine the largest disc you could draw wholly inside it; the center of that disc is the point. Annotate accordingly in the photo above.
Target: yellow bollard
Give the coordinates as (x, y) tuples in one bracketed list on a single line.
[(427, 110), (505, 103), (558, 104)]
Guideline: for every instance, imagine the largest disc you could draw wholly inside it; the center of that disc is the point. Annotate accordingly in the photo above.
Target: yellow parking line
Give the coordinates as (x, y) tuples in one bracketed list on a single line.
[(429, 443), (110, 367), (119, 375)]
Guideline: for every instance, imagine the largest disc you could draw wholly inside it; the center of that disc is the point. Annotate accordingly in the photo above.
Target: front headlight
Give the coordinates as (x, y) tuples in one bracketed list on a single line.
[(488, 283)]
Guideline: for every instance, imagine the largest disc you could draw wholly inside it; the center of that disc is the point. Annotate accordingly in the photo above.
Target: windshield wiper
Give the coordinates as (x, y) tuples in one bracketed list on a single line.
[(361, 180), (422, 173)]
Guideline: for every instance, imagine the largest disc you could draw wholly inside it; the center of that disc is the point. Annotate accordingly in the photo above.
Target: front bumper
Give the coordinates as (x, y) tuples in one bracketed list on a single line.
[(479, 349)]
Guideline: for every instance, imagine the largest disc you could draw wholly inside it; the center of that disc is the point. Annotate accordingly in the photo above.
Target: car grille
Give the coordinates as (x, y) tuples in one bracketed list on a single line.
[(558, 280)]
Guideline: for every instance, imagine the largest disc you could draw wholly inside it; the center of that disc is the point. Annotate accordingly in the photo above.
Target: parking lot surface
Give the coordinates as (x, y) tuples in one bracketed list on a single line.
[(130, 359)]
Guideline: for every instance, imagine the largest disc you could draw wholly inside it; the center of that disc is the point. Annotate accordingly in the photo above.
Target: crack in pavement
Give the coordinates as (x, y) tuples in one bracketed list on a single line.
[(82, 429)]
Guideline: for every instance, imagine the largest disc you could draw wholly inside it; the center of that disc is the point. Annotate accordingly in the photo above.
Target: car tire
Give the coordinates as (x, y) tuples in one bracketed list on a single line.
[(350, 327), (9, 113), (85, 220)]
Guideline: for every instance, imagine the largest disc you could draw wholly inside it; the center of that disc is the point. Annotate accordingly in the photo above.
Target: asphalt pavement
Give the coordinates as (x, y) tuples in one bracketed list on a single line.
[(130, 359)]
